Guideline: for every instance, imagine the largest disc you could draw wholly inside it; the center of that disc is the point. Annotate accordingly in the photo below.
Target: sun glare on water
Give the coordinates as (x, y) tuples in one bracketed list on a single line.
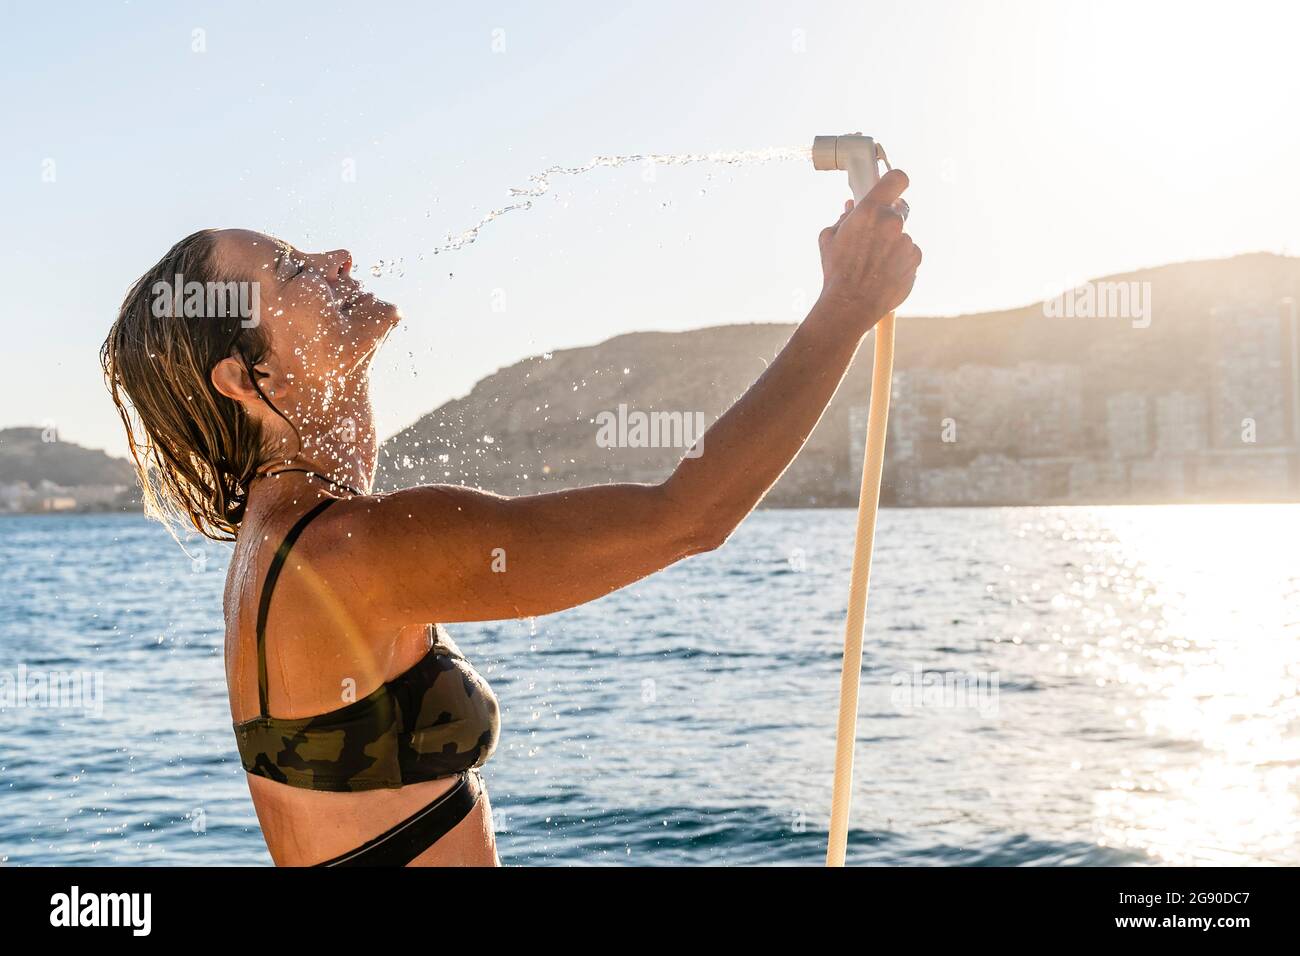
[(1202, 625)]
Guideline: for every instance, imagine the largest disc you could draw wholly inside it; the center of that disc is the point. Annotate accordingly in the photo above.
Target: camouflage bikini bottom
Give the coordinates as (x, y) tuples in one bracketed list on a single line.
[(402, 843)]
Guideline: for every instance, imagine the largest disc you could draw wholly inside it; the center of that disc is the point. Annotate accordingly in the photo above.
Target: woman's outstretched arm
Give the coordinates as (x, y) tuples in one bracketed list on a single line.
[(449, 553)]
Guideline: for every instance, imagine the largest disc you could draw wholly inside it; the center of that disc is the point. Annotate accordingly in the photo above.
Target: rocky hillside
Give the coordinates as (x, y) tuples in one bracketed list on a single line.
[(534, 425), (33, 455)]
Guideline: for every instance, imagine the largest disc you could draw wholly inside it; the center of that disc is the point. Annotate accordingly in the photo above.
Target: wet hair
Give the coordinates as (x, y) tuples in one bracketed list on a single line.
[(195, 450)]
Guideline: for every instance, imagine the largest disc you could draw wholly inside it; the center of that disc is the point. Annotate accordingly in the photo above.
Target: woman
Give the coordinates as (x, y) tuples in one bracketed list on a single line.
[(360, 725)]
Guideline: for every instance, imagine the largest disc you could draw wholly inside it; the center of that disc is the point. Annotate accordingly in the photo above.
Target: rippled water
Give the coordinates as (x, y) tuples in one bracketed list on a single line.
[(1122, 688)]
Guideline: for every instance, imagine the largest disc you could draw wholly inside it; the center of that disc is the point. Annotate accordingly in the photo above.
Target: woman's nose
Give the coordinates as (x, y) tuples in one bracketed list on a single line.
[(340, 263)]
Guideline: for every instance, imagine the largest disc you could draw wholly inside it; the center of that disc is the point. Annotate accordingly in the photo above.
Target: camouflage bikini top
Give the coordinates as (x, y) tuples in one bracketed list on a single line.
[(435, 720)]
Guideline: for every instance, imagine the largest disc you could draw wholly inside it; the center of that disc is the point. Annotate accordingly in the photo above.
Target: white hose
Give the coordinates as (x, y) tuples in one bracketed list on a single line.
[(873, 463)]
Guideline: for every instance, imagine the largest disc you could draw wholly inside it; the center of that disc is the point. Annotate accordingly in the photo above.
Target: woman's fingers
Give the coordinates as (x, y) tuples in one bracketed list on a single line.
[(889, 221), (882, 197), (903, 256), (848, 208), (890, 187), (828, 233), (899, 272), (824, 238)]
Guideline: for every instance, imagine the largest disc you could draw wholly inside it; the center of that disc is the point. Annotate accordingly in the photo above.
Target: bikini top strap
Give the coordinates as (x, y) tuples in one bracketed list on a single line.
[(272, 573)]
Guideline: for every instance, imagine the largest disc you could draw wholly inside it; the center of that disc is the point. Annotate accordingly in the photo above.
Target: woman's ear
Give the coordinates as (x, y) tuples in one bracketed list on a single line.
[(230, 377)]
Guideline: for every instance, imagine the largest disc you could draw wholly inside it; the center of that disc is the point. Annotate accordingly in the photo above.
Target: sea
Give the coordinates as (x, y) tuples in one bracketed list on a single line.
[(1040, 687)]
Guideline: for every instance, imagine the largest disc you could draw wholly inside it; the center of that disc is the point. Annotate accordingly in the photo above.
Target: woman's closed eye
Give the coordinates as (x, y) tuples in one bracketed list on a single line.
[(292, 265)]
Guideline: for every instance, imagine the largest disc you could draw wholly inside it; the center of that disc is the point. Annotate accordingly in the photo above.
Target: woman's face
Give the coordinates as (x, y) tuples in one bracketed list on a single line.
[(322, 327)]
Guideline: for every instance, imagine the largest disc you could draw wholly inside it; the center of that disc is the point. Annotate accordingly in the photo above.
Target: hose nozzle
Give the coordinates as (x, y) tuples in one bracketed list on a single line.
[(855, 154)]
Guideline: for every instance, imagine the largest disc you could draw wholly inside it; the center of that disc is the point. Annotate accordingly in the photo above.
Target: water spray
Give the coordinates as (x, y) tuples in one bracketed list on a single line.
[(859, 156), (539, 184)]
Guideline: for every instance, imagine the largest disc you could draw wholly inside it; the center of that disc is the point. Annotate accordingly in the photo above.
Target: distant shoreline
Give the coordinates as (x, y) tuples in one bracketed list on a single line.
[(822, 507)]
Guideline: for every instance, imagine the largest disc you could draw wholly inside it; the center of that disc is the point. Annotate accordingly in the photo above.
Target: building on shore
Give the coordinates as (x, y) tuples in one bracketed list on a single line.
[(19, 497), (1227, 429)]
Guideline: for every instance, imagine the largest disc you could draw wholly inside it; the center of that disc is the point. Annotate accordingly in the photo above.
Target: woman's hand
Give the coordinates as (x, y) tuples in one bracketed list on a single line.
[(868, 262)]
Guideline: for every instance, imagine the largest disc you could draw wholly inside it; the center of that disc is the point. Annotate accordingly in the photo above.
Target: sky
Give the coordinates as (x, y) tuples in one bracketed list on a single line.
[(1046, 142)]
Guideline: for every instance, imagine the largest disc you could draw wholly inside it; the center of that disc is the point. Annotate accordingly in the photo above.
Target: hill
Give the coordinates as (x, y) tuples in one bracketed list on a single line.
[(35, 454)]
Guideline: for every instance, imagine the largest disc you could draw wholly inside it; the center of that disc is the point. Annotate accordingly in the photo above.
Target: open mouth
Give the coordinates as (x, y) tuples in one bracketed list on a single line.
[(347, 303)]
